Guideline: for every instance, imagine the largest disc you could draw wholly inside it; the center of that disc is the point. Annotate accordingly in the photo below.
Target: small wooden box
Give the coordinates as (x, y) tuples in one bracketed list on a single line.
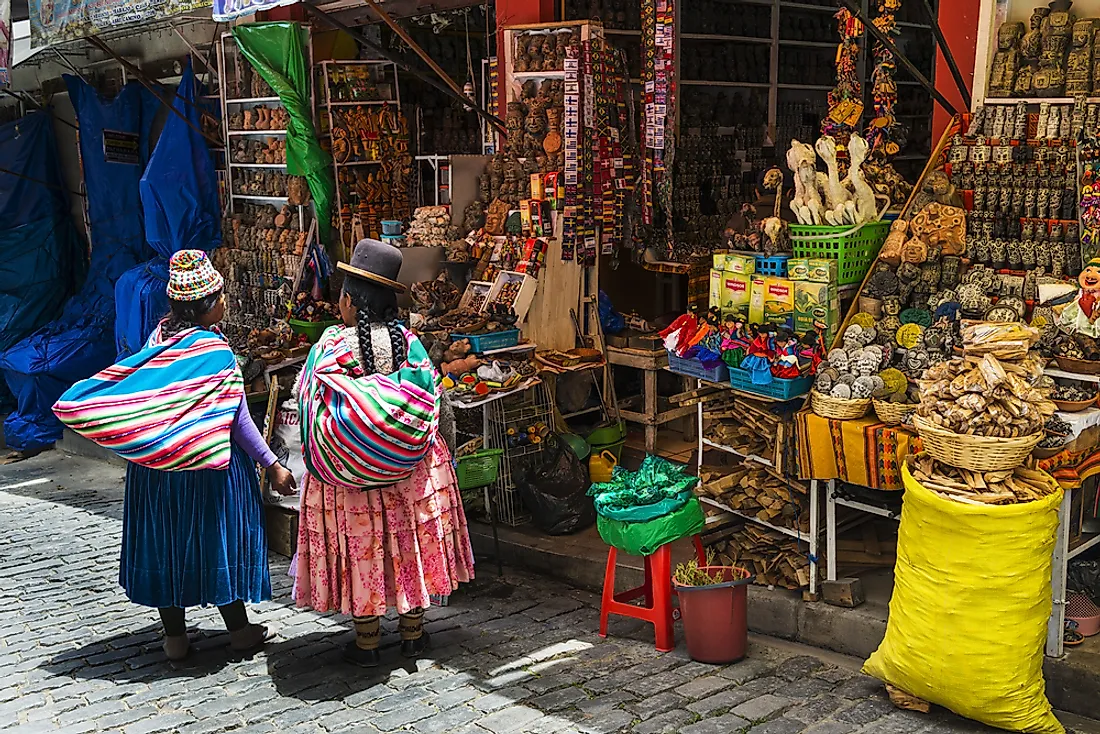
[(282, 530)]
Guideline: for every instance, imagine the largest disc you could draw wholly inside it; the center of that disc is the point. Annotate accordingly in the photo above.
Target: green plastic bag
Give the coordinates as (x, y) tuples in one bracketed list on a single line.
[(658, 485), (644, 538)]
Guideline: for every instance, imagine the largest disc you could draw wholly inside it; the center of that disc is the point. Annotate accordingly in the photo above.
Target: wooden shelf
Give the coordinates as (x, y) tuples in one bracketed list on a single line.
[(720, 37), (539, 75), (806, 6), (251, 197), (364, 102), (248, 100), (809, 87), (256, 132), (709, 83), (231, 164)]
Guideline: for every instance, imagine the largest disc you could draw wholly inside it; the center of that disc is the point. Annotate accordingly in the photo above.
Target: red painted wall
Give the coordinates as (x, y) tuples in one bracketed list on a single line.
[(959, 21), (517, 12)]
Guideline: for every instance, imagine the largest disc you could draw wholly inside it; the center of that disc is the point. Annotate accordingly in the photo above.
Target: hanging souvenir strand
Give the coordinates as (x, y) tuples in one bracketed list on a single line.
[(846, 98), (884, 133), (658, 20), (1088, 152), (570, 224)]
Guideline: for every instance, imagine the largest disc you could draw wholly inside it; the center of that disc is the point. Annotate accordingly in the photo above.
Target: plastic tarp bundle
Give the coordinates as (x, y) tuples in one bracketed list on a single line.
[(968, 617), (277, 53), (658, 488), (179, 196), (80, 342), (41, 257)]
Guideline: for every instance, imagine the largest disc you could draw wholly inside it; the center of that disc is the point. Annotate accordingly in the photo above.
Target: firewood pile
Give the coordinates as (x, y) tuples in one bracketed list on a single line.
[(774, 558), (735, 421), (758, 491), (1009, 487)]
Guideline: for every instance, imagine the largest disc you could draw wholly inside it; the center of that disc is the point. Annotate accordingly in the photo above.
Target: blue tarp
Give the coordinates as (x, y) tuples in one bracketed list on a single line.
[(179, 195), (80, 342), (41, 257)]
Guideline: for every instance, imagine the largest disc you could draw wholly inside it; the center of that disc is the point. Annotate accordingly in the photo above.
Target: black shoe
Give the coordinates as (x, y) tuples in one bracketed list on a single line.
[(363, 658), (415, 648)]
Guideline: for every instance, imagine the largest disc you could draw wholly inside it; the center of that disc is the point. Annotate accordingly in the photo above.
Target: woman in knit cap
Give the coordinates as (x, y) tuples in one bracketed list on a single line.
[(381, 524), (193, 523)]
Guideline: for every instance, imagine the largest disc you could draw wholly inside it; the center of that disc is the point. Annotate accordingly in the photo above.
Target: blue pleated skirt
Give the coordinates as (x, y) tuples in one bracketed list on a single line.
[(192, 538)]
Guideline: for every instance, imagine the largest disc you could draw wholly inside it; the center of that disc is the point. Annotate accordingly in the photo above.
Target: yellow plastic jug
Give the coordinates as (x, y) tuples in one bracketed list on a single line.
[(600, 466)]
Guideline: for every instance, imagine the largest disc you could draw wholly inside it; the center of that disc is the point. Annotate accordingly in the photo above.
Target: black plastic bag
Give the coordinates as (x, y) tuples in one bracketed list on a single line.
[(1083, 577), (555, 491)]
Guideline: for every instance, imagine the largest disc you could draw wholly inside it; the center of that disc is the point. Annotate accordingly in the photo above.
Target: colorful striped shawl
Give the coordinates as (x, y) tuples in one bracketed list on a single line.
[(365, 431), (170, 406)]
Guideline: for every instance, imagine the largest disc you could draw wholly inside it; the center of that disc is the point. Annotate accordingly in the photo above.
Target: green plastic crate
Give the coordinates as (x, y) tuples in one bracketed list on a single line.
[(478, 469), (854, 253)]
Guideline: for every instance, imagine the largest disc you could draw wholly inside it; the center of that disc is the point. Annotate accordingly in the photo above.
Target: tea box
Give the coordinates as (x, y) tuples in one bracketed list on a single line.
[(822, 270), (798, 268), (736, 292), (816, 303), (717, 281), (734, 263), (771, 301)]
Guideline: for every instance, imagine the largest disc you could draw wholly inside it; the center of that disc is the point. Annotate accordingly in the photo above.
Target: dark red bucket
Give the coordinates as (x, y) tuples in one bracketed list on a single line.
[(715, 617)]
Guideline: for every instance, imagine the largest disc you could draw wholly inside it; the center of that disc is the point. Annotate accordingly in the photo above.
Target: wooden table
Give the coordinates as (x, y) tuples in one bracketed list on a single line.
[(651, 415)]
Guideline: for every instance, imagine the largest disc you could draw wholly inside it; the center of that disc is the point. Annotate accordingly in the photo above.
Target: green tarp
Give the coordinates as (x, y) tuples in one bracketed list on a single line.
[(277, 52)]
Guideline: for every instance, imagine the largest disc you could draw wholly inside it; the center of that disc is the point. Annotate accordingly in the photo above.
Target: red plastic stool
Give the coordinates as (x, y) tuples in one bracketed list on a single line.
[(658, 596)]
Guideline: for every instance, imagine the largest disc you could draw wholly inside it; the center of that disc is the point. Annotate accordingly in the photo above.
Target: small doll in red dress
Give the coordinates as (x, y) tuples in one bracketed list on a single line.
[(758, 363), (785, 355)]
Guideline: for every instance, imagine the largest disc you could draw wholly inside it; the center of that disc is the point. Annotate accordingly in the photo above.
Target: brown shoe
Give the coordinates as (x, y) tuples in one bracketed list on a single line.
[(176, 647), (248, 640)]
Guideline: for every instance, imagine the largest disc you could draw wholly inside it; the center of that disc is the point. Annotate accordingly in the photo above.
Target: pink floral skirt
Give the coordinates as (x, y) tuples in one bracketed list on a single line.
[(361, 552)]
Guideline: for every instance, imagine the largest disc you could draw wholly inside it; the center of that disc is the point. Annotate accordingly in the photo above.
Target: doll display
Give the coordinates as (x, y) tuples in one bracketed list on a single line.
[(758, 359), (784, 350)]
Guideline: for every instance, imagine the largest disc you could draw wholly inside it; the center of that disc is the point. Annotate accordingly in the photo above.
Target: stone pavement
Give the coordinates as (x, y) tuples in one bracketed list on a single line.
[(518, 656)]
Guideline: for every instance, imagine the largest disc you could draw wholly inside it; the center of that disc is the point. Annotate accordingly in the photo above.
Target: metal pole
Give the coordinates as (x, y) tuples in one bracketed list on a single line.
[(949, 57), (886, 41)]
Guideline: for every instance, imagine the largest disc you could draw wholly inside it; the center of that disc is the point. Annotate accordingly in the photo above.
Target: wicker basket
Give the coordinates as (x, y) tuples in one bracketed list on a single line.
[(893, 414), (827, 406), (976, 453)]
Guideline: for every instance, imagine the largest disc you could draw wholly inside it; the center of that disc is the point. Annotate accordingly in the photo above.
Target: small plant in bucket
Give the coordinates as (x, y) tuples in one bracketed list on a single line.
[(713, 608)]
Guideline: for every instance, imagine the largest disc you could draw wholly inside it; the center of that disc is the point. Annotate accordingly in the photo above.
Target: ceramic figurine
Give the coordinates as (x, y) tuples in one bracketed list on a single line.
[(1006, 61), (1020, 130), (1080, 316), (806, 203)]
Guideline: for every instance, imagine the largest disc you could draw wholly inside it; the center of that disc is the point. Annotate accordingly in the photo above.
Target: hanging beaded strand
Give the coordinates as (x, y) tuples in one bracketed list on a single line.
[(884, 132)]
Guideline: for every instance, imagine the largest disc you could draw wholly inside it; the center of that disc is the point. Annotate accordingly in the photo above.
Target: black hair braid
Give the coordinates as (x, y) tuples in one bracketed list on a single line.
[(185, 315), (375, 305)]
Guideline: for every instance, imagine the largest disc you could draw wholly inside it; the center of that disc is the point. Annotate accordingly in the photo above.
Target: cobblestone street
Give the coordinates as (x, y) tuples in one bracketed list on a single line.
[(522, 656)]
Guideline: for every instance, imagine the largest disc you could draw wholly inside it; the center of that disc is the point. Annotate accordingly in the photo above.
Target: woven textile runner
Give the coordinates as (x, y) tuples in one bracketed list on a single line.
[(169, 407), (365, 431)]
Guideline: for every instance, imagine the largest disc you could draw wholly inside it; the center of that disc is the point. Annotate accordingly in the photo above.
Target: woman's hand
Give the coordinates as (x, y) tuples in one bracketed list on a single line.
[(282, 481)]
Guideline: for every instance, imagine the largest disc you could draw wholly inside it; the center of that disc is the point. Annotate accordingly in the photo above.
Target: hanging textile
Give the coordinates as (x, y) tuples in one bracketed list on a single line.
[(5, 43), (114, 144), (41, 257), (179, 196), (277, 52)]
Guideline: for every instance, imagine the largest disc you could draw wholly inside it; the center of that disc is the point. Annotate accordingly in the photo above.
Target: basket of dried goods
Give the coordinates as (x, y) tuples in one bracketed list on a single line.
[(842, 409), (982, 414), (897, 400), (975, 487), (1077, 353), (1056, 434), (1073, 398)]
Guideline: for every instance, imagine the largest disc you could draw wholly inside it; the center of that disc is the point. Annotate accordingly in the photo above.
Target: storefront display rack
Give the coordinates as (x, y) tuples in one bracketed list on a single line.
[(809, 539), (376, 85), (235, 96), (770, 33)]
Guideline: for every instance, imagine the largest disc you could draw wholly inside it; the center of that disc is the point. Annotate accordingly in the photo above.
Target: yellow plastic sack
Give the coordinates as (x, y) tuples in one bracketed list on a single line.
[(968, 617)]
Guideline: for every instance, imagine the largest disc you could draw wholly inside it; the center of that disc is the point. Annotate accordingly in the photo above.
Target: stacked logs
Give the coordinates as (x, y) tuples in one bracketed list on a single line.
[(756, 490), (773, 557)]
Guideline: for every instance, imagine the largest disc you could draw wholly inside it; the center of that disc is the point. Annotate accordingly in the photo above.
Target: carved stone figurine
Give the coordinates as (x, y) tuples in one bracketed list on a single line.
[(1056, 29), (1007, 59), (1031, 46), (1079, 61)]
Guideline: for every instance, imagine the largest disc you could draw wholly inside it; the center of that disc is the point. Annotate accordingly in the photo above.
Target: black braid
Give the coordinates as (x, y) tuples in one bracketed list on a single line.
[(186, 314), (375, 305)]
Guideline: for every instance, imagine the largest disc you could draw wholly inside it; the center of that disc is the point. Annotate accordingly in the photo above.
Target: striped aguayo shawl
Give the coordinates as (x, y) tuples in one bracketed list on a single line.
[(170, 406), (365, 431)]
